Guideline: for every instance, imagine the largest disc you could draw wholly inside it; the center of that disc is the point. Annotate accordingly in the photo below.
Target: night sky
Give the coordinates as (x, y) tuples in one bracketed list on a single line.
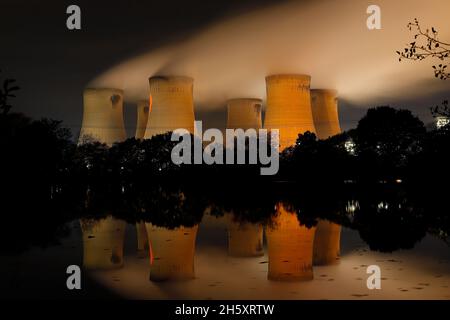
[(53, 65)]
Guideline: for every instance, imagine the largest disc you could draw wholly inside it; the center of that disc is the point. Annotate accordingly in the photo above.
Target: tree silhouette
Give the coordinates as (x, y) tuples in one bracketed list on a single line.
[(6, 92), (426, 44)]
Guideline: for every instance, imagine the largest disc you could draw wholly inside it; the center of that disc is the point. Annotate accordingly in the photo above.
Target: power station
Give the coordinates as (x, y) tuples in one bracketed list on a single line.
[(325, 113), (142, 118), (289, 107), (102, 116), (171, 105)]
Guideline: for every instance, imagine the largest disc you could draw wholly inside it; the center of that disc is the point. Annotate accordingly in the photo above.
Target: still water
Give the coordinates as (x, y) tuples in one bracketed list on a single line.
[(221, 258)]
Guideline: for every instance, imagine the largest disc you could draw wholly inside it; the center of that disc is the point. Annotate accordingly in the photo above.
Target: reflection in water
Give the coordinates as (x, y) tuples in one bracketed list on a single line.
[(245, 239), (103, 242), (142, 239), (290, 248), (172, 252), (327, 242)]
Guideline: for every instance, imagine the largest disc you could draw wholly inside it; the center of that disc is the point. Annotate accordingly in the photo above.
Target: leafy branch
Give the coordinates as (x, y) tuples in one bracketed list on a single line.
[(6, 92), (427, 44)]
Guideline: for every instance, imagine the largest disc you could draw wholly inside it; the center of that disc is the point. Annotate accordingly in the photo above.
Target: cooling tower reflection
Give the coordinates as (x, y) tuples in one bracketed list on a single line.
[(103, 243), (290, 248), (172, 252), (245, 239)]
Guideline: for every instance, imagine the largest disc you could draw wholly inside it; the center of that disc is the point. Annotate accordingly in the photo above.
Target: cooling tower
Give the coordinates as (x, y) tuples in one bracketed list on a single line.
[(289, 107), (103, 116), (142, 118), (142, 239), (171, 105), (245, 239), (103, 243), (327, 243), (290, 248), (172, 252), (244, 113), (325, 113)]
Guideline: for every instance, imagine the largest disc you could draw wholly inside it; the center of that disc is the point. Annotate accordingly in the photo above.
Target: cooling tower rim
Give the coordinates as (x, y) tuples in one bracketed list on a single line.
[(160, 78), (244, 100), (288, 76), (333, 92), (109, 90)]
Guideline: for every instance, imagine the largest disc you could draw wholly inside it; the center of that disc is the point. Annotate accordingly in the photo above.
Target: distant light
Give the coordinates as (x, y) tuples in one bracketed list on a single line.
[(399, 180), (352, 206), (383, 205), (442, 122), (350, 147)]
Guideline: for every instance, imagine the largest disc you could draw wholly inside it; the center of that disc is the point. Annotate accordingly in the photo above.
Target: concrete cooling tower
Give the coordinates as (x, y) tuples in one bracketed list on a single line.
[(325, 113), (290, 248), (244, 113), (142, 118), (102, 116), (171, 105), (172, 252), (327, 243), (289, 107), (103, 243)]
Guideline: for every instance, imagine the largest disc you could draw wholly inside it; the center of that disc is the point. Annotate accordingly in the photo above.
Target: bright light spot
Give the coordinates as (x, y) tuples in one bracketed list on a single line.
[(350, 147), (442, 122)]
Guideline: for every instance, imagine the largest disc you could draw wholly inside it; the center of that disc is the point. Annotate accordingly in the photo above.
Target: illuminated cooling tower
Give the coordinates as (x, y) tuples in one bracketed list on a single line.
[(172, 252), (244, 113), (325, 113), (290, 248), (289, 107), (142, 239), (142, 118), (245, 239), (327, 243), (103, 243), (171, 105), (103, 116)]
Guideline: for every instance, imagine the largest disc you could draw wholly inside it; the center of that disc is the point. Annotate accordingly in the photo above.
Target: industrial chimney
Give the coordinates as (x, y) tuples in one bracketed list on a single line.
[(102, 116), (325, 113), (290, 248), (171, 105), (289, 107), (244, 113), (142, 118), (171, 252)]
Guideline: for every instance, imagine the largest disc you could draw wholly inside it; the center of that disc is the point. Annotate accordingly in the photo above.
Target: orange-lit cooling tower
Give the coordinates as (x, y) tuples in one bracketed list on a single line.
[(325, 112), (327, 242), (142, 118), (172, 252), (289, 107), (290, 248), (102, 116), (103, 243), (172, 105), (244, 113)]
